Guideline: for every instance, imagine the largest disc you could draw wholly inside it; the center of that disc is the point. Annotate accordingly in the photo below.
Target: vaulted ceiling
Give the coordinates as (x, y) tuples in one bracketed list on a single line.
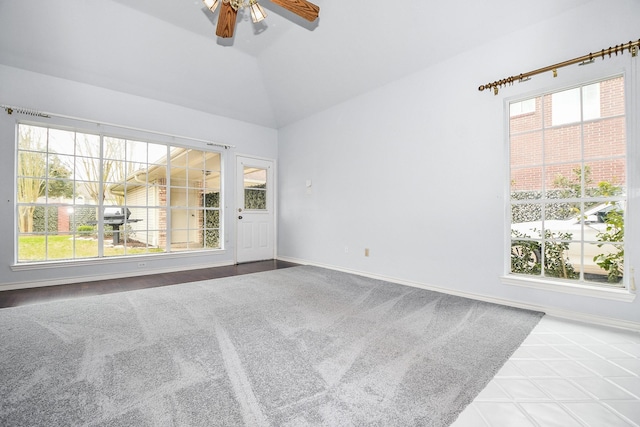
[(272, 73)]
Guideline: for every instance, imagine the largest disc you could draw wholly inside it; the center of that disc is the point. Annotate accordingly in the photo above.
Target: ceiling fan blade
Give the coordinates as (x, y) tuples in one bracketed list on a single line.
[(226, 20), (302, 8)]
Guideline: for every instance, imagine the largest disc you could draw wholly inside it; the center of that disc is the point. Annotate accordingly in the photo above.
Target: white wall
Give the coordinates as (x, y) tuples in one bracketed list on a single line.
[(50, 94), (416, 170), (111, 44)]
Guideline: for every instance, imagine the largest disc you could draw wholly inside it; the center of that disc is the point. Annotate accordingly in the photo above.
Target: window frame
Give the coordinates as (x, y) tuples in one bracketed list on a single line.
[(104, 131), (625, 292)]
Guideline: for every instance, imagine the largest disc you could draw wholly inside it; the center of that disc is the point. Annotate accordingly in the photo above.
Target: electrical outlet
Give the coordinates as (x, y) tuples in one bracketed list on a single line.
[(346, 249), (366, 251), (142, 264)]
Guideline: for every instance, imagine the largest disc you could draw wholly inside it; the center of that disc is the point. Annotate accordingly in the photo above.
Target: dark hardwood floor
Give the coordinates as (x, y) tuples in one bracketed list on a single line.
[(14, 298)]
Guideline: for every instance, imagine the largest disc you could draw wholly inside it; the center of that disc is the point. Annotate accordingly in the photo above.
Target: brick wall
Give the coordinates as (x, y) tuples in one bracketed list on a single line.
[(63, 219), (560, 147)]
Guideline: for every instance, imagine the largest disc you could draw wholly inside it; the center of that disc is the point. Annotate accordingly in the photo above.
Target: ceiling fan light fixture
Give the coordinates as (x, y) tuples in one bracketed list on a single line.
[(211, 4), (257, 12), (229, 12)]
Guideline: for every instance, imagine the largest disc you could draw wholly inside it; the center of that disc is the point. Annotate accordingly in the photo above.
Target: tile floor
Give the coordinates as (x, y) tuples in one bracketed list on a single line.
[(564, 374)]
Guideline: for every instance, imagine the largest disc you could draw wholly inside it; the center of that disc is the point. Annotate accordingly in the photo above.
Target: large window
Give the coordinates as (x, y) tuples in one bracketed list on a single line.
[(83, 195), (568, 185)]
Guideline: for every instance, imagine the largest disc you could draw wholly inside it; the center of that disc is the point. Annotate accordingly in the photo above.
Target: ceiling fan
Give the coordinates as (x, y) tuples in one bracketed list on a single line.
[(229, 12)]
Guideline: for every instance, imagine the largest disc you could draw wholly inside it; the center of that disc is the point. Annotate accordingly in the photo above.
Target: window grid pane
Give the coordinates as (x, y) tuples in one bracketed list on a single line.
[(71, 185), (568, 210)]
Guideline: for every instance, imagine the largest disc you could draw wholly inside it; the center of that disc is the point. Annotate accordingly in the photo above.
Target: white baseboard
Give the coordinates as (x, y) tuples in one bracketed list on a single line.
[(551, 311), (119, 275)]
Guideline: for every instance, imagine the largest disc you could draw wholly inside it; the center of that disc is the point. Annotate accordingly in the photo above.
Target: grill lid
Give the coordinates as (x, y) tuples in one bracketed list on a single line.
[(119, 212)]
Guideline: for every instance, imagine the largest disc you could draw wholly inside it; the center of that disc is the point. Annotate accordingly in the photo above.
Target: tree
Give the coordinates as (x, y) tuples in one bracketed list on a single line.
[(32, 168), (87, 167), (526, 254), (611, 262), (89, 161), (57, 186), (573, 187)]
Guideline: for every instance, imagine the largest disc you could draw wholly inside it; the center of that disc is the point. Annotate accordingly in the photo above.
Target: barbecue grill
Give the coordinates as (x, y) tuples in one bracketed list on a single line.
[(115, 216)]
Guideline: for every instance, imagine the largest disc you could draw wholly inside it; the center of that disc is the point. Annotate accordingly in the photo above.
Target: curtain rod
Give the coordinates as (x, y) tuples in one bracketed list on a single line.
[(583, 60), (30, 112)]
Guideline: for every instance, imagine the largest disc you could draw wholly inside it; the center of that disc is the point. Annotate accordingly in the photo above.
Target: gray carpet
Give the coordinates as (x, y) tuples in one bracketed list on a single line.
[(302, 346)]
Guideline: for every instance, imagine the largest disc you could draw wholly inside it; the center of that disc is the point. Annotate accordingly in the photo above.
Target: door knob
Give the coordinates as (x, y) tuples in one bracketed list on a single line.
[(239, 216)]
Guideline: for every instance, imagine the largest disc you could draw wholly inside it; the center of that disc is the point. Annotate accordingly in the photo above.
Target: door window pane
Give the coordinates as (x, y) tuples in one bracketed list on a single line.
[(255, 188)]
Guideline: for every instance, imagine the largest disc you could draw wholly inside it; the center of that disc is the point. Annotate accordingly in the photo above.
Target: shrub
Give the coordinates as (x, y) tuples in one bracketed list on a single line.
[(86, 229), (526, 255), (612, 263), (212, 220)]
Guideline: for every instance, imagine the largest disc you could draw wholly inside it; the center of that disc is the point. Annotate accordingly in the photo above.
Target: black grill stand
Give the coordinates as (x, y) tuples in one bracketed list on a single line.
[(115, 216)]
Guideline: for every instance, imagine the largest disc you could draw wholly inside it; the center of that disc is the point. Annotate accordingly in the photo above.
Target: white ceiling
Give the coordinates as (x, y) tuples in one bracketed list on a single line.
[(272, 73)]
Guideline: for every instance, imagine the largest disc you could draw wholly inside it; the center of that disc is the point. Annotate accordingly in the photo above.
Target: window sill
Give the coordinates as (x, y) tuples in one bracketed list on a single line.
[(580, 289), (109, 260)]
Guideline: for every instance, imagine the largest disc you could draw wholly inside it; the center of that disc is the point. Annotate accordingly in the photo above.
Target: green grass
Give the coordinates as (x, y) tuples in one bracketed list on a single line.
[(34, 248)]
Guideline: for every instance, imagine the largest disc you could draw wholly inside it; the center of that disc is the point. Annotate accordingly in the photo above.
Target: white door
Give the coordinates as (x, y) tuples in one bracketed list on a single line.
[(255, 216)]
